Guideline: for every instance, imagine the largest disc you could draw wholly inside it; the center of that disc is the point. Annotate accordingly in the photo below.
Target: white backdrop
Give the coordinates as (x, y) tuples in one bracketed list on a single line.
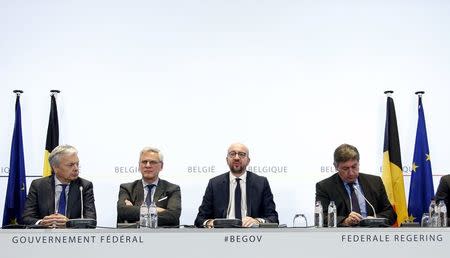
[(290, 79)]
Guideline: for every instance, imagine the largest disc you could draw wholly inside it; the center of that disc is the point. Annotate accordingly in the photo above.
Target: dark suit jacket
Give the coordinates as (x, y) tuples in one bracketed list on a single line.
[(333, 189), (260, 202), (41, 200), (443, 192), (134, 192)]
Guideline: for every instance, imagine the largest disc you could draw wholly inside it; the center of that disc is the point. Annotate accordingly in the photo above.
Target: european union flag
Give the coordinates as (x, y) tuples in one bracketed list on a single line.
[(421, 189), (16, 192)]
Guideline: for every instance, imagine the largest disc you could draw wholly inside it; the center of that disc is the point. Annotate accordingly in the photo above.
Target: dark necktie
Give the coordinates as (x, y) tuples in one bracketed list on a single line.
[(237, 200), (62, 200), (149, 199), (355, 203)]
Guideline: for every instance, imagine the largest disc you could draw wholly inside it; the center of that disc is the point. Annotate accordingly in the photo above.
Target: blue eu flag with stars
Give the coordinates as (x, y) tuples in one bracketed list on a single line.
[(421, 188)]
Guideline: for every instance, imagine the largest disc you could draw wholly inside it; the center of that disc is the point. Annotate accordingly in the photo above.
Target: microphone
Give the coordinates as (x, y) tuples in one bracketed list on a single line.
[(81, 222), (82, 202), (371, 222), (371, 206)]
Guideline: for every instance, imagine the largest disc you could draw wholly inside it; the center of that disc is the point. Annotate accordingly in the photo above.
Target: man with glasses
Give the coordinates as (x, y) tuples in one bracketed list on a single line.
[(237, 194), (348, 189), (150, 188), (55, 199)]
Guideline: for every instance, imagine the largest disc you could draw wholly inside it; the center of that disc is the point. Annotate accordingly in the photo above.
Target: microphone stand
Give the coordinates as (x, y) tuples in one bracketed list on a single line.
[(81, 222)]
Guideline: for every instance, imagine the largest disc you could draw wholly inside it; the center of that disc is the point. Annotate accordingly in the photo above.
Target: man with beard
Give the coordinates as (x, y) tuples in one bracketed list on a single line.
[(237, 194), (55, 199)]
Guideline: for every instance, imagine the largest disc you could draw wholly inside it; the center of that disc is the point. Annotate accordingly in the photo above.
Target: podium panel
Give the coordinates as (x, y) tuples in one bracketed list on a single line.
[(186, 242)]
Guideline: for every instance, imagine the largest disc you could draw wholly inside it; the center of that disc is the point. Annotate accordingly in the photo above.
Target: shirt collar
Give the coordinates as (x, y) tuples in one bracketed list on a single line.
[(154, 183), (243, 177), (57, 182)]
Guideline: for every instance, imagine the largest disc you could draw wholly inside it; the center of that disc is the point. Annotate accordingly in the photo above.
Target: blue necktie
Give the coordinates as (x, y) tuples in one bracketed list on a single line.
[(237, 200), (62, 200), (148, 199)]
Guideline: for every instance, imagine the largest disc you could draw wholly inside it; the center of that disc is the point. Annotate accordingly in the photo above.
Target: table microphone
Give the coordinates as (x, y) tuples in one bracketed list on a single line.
[(81, 222), (371, 222)]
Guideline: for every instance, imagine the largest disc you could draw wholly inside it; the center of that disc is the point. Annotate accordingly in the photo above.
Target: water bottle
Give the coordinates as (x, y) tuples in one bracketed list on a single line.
[(153, 215), (434, 214), (143, 216), (318, 215), (332, 216), (442, 214)]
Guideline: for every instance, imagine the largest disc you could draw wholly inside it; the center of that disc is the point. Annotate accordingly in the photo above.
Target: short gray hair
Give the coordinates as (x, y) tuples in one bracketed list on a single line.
[(55, 156), (154, 150)]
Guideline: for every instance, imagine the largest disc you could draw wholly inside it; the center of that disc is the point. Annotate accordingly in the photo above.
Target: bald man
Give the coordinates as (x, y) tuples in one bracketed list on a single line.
[(237, 194)]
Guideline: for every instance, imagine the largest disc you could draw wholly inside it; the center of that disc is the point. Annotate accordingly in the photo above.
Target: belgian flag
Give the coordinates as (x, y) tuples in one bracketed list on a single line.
[(52, 134), (392, 165)]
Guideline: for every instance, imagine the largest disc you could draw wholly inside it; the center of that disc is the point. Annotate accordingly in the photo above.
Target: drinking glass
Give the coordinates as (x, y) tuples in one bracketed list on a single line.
[(300, 221), (426, 220)]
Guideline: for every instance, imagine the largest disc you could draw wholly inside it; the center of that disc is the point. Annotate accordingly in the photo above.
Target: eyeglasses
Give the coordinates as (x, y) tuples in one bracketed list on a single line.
[(151, 162), (241, 155)]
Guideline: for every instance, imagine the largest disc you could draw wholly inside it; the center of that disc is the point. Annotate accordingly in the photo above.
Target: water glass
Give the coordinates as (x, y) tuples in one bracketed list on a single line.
[(426, 220), (300, 221)]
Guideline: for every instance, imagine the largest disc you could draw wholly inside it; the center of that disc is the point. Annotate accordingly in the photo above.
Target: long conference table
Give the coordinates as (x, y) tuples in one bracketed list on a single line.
[(239, 242)]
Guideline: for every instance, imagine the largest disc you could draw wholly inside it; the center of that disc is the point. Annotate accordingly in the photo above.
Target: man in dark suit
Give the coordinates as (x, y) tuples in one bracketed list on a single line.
[(222, 195), (150, 188), (348, 187), (443, 192), (55, 199)]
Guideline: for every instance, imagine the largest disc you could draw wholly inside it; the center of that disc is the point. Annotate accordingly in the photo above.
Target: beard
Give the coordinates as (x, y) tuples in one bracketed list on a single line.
[(237, 169)]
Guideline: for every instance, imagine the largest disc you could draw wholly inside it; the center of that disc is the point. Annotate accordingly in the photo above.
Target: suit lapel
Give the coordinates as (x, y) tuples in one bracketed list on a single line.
[(73, 200), (138, 193), (50, 189), (224, 190), (159, 191), (248, 192), (343, 193)]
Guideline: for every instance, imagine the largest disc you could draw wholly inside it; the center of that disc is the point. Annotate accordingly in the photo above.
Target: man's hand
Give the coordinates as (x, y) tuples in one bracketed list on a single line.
[(128, 203), (353, 219), (54, 220), (249, 222), (209, 223)]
